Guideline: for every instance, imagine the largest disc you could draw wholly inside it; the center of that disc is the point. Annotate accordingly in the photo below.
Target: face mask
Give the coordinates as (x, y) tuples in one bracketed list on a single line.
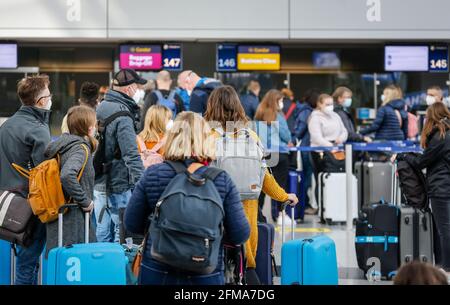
[(281, 105), (347, 102), (382, 97), (137, 96), (430, 100), (189, 92), (328, 108), (169, 125), (49, 105)]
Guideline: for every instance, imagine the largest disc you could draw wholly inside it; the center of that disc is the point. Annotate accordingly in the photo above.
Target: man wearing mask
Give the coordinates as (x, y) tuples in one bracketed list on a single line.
[(113, 188), (434, 94), (198, 88), (342, 97), (23, 139)]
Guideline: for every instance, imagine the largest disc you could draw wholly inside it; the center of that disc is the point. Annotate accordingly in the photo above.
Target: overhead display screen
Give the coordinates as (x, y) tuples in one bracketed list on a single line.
[(8, 55), (258, 57), (141, 57), (406, 58), (438, 57), (172, 57), (326, 60), (226, 54)]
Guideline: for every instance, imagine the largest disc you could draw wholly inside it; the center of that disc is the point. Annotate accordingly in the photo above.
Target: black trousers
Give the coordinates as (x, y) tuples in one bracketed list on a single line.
[(441, 215), (281, 172)]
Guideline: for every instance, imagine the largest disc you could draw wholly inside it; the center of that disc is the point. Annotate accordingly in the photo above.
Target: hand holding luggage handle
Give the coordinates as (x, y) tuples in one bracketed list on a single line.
[(283, 215), (60, 223)]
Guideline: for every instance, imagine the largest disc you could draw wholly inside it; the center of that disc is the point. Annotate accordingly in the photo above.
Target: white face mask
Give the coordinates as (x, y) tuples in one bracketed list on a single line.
[(281, 104), (49, 105), (169, 125), (347, 102), (328, 108), (430, 100), (138, 95)]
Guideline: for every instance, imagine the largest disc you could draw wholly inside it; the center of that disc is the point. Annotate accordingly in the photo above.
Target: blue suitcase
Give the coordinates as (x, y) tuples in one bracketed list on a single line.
[(85, 264), (296, 186), (308, 261), (265, 258), (5, 263)]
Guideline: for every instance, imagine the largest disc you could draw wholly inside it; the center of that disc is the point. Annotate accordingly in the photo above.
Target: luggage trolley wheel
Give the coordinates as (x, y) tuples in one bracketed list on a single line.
[(329, 221)]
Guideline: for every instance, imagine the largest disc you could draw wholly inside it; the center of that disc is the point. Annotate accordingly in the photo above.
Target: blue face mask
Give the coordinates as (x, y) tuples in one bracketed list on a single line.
[(347, 103)]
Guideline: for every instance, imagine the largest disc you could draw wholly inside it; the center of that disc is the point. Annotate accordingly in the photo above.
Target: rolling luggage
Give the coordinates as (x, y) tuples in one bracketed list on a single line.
[(333, 197), (265, 259), (374, 181), (416, 236), (308, 261), (85, 264), (6, 263), (296, 186), (377, 239)]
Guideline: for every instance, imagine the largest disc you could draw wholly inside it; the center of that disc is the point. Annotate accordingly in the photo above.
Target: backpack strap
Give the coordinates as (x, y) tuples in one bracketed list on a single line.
[(172, 95), (178, 166), (290, 111), (114, 116), (85, 162), (211, 173), (159, 95)]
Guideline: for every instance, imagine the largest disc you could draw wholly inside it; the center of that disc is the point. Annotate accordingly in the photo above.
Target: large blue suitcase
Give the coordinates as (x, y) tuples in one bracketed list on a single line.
[(264, 253), (308, 261), (5, 262), (86, 264)]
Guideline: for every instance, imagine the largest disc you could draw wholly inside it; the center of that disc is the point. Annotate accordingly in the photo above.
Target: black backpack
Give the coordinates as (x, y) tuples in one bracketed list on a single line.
[(101, 165), (413, 184)]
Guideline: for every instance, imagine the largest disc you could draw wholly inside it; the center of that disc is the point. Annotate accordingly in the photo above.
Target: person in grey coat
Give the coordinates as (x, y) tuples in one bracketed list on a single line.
[(75, 151)]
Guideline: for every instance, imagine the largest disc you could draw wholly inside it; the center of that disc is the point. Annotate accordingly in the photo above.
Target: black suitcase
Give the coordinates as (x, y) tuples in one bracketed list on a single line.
[(265, 259), (377, 240)]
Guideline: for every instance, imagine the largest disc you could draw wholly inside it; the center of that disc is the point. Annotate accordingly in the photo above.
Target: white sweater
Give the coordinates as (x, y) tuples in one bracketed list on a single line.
[(325, 128)]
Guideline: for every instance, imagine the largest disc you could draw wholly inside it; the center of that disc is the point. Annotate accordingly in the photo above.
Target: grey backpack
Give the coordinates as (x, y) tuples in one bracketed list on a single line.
[(187, 226), (241, 157)]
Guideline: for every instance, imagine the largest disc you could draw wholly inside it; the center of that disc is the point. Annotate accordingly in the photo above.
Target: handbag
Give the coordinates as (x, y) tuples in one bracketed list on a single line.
[(16, 219), (333, 161)]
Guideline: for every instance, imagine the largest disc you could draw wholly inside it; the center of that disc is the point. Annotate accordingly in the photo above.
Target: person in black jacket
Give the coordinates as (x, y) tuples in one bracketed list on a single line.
[(342, 97), (435, 140)]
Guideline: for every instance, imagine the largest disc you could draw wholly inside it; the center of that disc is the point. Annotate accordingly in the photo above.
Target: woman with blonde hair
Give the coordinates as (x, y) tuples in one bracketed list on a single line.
[(158, 121), (77, 174), (189, 143), (391, 122)]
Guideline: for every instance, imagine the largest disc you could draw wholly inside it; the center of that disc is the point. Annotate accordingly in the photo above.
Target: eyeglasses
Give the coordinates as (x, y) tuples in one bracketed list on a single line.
[(50, 96)]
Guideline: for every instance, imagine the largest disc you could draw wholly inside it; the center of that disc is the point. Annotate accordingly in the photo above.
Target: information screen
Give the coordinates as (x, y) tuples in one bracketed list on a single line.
[(406, 58), (8, 55), (254, 57), (226, 54), (140, 57), (326, 60), (172, 57), (438, 57)]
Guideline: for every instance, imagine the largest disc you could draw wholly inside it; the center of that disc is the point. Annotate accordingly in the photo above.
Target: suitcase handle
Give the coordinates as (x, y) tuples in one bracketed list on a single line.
[(283, 215), (60, 223)]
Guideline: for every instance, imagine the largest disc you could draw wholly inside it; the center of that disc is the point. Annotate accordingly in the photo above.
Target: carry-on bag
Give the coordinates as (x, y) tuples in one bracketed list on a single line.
[(85, 264), (265, 258)]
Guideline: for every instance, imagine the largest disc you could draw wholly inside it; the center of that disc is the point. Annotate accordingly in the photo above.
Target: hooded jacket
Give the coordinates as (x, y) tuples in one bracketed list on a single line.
[(200, 94), (69, 147), (121, 133), (23, 139), (386, 125)]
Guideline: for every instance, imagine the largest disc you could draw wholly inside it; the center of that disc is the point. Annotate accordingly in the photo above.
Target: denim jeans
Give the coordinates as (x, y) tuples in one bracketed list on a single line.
[(152, 273), (108, 226), (27, 260)]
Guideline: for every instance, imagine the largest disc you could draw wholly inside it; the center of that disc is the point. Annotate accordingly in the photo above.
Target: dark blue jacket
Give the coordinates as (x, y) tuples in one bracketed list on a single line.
[(200, 94), (151, 186), (120, 133), (250, 103), (386, 125), (304, 110)]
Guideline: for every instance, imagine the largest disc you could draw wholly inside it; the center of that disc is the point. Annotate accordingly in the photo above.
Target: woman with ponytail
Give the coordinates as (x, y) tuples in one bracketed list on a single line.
[(77, 174), (435, 140)]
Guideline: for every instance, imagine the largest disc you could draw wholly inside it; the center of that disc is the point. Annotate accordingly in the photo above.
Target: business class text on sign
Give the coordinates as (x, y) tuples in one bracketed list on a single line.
[(258, 58), (140, 57)]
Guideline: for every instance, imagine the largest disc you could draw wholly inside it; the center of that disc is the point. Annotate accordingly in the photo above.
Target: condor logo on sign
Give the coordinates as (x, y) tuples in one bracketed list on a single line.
[(73, 273)]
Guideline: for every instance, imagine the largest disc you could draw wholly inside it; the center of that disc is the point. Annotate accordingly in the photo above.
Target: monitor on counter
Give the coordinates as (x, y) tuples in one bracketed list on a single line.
[(8, 56), (406, 58)]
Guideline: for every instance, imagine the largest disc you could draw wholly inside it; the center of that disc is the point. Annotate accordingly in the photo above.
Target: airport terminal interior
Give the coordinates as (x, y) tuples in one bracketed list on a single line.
[(365, 46)]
